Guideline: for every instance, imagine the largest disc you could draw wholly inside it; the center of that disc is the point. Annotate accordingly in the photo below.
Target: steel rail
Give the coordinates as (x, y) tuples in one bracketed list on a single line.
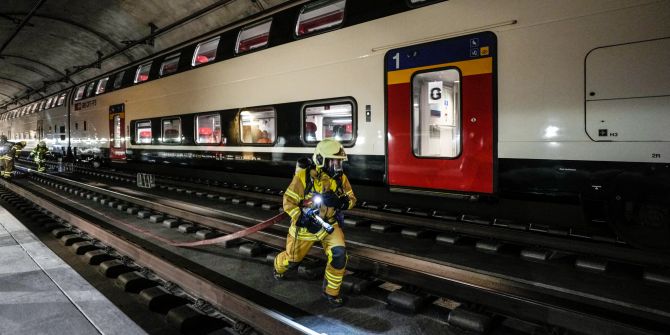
[(260, 318), (565, 304), (572, 245)]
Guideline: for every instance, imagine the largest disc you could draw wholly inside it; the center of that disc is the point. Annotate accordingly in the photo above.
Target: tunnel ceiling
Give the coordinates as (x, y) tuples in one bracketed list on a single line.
[(46, 45)]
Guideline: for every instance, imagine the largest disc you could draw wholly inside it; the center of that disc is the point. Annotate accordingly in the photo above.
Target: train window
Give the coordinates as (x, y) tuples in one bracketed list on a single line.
[(62, 133), (253, 37), (208, 129), (319, 16), (84, 125), (61, 99), (101, 85), (205, 52), (258, 125), (143, 132), (328, 120), (142, 73), (171, 130), (90, 89), (169, 65), (80, 92), (436, 124), (118, 80)]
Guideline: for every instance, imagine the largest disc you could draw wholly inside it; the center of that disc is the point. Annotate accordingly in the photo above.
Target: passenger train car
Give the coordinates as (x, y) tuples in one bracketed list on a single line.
[(440, 98)]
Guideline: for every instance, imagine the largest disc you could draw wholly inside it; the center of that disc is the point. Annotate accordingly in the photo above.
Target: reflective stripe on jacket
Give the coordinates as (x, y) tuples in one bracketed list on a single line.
[(321, 182)]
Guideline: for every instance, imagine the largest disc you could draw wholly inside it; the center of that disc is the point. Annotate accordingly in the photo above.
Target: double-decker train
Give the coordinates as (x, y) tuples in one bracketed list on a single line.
[(436, 98)]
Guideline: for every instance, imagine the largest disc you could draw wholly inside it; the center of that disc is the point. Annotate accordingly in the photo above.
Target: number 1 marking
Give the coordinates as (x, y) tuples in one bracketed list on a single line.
[(397, 60)]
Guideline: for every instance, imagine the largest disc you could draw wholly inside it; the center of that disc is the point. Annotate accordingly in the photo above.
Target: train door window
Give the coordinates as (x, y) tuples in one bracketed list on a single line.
[(169, 65), (118, 80), (208, 129), (101, 85), (436, 124), (205, 52), (328, 120), (253, 37), (143, 132), (90, 89), (258, 125), (76, 126), (142, 73), (319, 16), (84, 125), (171, 130), (61, 99), (80, 92), (117, 131)]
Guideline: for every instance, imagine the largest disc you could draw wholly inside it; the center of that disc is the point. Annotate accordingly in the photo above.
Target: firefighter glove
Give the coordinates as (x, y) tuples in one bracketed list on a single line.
[(329, 199)]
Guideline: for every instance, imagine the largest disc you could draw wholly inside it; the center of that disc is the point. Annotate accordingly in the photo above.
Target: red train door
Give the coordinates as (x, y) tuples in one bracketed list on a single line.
[(117, 132), (440, 115)]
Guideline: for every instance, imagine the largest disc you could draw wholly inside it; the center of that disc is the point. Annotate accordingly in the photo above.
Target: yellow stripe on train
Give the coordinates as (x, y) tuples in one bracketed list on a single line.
[(468, 68)]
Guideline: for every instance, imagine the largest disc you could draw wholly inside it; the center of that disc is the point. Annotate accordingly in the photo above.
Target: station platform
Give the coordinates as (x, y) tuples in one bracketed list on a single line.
[(41, 294)]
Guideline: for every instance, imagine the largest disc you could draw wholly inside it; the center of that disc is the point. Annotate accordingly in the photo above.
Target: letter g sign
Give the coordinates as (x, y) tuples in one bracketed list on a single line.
[(435, 93)]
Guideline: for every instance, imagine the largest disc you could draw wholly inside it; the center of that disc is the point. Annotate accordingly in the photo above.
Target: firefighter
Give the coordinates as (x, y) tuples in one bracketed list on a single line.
[(9, 157), (39, 153), (4, 147), (323, 179)]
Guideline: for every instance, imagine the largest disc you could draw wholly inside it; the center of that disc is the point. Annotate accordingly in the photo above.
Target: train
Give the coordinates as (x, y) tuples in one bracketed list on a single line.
[(439, 99)]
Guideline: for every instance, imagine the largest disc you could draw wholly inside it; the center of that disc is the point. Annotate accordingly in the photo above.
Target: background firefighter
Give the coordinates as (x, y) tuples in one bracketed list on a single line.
[(39, 153), (325, 179), (9, 157), (4, 148)]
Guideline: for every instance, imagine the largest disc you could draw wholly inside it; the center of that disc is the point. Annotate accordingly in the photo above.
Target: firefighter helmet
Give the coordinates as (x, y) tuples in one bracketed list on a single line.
[(329, 155)]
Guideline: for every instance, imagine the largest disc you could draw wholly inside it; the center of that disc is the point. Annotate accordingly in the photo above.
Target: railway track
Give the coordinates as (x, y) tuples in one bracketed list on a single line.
[(567, 308), (450, 224)]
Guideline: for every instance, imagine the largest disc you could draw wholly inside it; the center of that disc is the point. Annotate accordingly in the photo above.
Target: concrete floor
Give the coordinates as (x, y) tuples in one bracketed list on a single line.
[(40, 294)]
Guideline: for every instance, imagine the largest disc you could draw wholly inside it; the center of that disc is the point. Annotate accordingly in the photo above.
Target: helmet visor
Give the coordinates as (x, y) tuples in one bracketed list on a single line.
[(334, 166)]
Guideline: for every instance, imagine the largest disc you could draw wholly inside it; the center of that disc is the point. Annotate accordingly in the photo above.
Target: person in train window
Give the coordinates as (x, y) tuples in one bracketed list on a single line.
[(321, 179), (205, 135), (338, 132), (264, 138), (9, 159), (39, 154), (310, 132)]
